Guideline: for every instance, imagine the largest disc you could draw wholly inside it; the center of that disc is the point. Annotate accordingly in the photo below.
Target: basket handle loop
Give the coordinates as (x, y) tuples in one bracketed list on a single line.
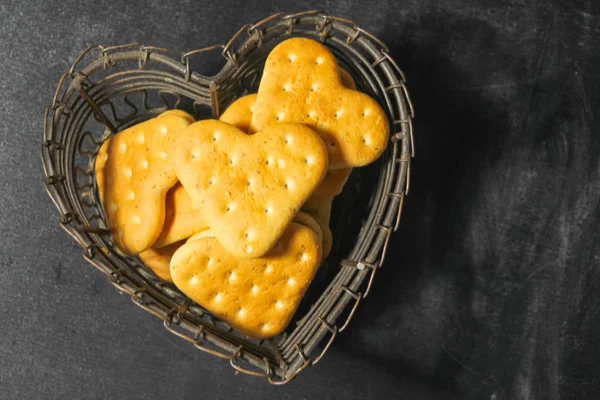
[(262, 22), (333, 330), (229, 55), (185, 58), (82, 54), (357, 297), (233, 361)]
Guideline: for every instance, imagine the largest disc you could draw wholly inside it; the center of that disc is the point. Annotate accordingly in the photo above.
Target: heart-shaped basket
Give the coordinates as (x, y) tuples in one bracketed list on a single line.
[(123, 85)]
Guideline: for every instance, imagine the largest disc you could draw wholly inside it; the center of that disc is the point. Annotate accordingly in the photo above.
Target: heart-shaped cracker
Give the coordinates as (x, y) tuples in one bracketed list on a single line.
[(159, 260), (249, 187), (322, 215), (257, 297), (300, 83), (239, 113), (182, 218), (346, 79), (134, 173), (308, 220), (331, 186)]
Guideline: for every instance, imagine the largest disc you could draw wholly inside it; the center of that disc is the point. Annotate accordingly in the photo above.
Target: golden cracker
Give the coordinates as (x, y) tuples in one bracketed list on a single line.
[(182, 218), (322, 215), (301, 84), (331, 186), (249, 187), (159, 260), (346, 79), (239, 113), (308, 220), (257, 297), (134, 173)]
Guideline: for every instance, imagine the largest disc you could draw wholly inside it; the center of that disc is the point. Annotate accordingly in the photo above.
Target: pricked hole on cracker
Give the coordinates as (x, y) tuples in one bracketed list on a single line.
[(291, 281), (291, 57), (254, 290), (141, 138), (319, 61), (163, 130), (314, 88), (265, 327), (288, 139), (241, 313), (232, 276), (131, 196), (136, 219), (268, 268), (232, 161), (309, 160), (127, 172), (303, 257), (338, 113), (248, 249), (163, 155), (209, 262), (280, 116), (123, 148), (311, 114), (194, 154), (366, 112), (218, 297), (144, 164), (365, 139), (193, 280), (267, 210), (215, 136), (229, 207), (279, 304), (289, 185)]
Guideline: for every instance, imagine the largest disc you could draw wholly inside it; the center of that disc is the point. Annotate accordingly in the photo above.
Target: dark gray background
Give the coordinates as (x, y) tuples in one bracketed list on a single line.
[(491, 290)]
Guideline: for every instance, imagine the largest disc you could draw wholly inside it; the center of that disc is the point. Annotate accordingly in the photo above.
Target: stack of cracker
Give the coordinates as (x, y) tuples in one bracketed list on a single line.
[(235, 212)]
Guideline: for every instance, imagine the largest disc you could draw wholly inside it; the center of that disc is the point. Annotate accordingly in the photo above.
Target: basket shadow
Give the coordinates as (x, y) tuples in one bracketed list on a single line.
[(421, 297)]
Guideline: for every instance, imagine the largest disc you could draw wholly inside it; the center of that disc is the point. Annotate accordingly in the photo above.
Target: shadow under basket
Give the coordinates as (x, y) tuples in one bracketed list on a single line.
[(111, 88)]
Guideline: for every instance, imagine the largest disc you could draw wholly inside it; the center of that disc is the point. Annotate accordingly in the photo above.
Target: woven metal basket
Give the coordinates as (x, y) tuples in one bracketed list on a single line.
[(110, 88)]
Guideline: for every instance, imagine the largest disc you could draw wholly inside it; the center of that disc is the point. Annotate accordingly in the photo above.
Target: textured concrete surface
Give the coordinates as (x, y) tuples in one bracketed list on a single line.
[(491, 290)]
